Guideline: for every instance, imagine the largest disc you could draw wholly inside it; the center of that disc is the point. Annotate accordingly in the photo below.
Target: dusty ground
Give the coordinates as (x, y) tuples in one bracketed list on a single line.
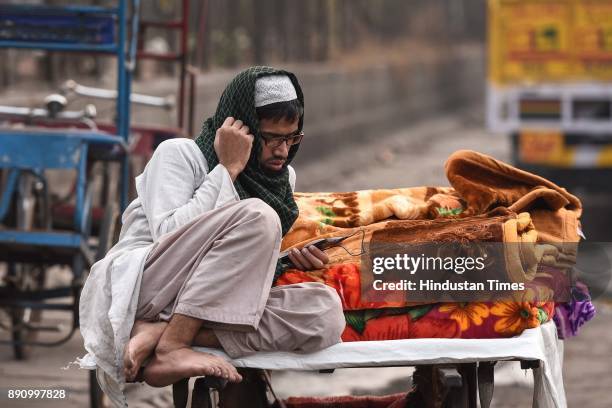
[(412, 156)]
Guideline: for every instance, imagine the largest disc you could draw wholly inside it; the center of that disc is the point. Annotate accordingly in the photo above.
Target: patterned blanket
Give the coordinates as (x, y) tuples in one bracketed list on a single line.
[(488, 201)]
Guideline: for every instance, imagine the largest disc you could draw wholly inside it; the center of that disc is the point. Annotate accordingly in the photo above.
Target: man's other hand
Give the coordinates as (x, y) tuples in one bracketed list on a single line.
[(308, 258), (233, 144)]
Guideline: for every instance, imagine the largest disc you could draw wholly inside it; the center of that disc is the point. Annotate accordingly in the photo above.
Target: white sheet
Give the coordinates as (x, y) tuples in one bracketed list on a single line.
[(539, 344)]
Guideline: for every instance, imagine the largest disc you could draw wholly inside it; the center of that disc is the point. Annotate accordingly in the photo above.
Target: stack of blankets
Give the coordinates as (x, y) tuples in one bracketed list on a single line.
[(488, 201)]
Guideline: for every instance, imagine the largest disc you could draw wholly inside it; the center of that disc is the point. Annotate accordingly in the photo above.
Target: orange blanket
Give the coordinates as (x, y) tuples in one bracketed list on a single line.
[(489, 201)]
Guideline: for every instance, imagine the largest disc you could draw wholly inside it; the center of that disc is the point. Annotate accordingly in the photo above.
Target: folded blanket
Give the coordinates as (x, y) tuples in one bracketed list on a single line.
[(488, 201), (486, 183), (479, 185), (570, 316), (332, 214)]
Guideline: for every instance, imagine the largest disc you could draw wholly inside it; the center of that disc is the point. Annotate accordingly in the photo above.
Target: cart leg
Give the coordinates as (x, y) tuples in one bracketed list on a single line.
[(453, 383), (250, 392), (437, 387), (469, 374), (200, 397), (97, 399), (532, 365), (180, 390), (486, 379)]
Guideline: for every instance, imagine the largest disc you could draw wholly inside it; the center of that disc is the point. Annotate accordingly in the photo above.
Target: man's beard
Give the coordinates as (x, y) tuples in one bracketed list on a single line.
[(273, 173)]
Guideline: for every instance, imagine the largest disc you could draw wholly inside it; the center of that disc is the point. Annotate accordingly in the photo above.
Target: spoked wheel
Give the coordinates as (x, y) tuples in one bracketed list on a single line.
[(31, 212)]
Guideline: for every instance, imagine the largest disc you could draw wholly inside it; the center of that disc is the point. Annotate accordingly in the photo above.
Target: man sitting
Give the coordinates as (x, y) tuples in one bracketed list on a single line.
[(199, 246)]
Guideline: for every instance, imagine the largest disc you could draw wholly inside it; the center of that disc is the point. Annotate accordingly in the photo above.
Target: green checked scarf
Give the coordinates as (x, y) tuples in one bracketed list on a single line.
[(238, 101)]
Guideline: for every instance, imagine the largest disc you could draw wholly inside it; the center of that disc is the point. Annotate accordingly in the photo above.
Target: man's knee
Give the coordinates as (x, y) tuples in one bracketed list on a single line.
[(261, 214), (333, 319), (328, 321)]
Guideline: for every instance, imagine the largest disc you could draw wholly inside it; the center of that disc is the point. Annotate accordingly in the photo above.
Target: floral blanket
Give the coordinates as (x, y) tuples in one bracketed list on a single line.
[(447, 320), (488, 201)]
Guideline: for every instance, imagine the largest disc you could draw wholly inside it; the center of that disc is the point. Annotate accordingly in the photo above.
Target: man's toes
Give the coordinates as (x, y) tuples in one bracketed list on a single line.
[(218, 370), (232, 373), (229, 372), (236, 377), (210, 370), (221, 368), (221, 372), (225, 367)]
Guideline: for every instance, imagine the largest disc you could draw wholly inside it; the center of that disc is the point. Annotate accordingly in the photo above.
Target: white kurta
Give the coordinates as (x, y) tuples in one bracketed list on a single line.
[(175, 187)]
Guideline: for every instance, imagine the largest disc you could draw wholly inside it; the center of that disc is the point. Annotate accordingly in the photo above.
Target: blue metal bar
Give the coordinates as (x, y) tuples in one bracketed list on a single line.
[(9, 190), (134, 38), (106, 48), (85, 227), (123, 99), (84, 135), (122, 95), (36, 238), (80, 191), (38, 9), (52, 150), (41, 152)]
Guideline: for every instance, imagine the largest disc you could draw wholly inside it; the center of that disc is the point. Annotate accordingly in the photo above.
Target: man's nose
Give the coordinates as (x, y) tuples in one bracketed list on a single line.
[(283, 149)]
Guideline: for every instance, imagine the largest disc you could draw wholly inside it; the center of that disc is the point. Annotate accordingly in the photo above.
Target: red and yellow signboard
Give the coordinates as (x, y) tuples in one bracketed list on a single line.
[(550, 40), (593, 38)]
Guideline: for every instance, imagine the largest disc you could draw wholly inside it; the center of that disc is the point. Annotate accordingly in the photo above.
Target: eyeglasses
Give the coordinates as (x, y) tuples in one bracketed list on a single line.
[(274, 141)]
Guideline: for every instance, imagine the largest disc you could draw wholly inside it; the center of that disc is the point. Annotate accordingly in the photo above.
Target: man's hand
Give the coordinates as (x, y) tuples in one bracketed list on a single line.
[(310, 257), (233, 144)]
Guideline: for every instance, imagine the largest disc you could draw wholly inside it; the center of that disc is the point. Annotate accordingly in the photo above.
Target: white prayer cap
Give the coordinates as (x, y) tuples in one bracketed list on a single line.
[(272, 89)]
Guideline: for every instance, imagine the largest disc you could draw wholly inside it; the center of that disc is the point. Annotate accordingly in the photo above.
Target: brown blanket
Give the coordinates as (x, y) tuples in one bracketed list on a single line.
[(485, 183), (488, 201)]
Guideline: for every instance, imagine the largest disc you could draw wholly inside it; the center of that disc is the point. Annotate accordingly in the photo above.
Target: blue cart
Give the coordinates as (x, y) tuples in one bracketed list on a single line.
[(29, 244)]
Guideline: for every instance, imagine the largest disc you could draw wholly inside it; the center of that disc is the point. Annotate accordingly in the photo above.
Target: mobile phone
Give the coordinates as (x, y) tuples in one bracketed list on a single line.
[(322, 244)]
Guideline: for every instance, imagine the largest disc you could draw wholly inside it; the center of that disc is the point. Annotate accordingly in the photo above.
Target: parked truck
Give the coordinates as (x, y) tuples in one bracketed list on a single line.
[(550, 87)]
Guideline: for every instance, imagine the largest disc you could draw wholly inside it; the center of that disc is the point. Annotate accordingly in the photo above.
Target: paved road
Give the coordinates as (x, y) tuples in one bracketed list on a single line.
[(412, 156)]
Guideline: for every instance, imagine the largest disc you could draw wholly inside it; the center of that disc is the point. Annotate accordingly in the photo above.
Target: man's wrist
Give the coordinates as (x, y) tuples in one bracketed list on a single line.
[(233, 172)]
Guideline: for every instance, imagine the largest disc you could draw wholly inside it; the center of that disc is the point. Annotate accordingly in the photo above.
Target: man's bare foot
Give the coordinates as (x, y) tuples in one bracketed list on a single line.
[(144, 338), (171, 365)]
